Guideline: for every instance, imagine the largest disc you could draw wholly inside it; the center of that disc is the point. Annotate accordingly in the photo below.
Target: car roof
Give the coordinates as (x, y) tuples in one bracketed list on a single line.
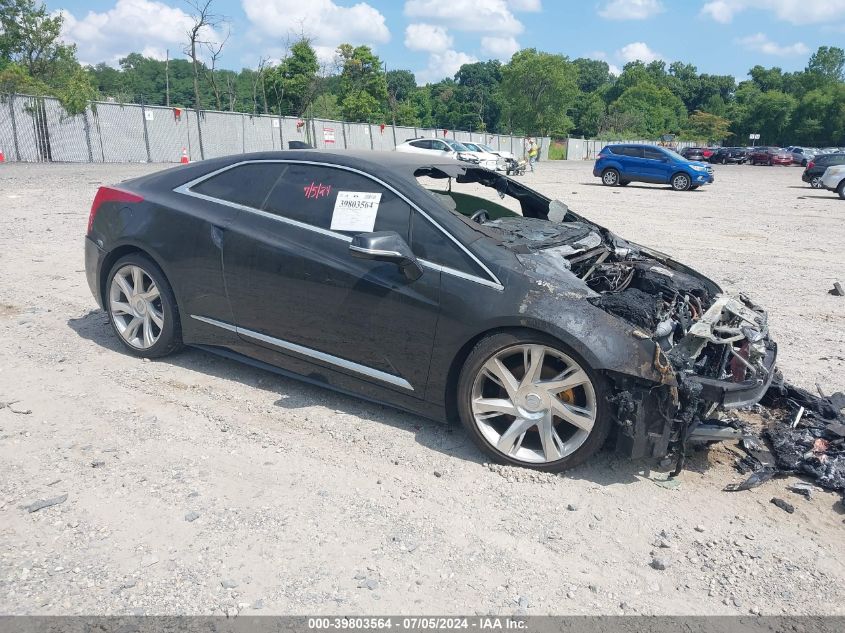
[(390, 166)]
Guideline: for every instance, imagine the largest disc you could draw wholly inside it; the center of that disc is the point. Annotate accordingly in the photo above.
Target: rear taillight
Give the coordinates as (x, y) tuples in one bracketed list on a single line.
[(109, 194), (810, 165)]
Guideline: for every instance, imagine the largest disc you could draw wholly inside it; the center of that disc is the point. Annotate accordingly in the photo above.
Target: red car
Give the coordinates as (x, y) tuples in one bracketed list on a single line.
[(770, 156), (707, 152)]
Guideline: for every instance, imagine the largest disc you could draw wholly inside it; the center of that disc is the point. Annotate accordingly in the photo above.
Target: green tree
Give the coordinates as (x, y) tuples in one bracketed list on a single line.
[(538, 90), (363, 85), (772, 115), (589, 112), (34, 59), (655, 110), (708, 127), (592, 74), (293, 83), (828, 62)]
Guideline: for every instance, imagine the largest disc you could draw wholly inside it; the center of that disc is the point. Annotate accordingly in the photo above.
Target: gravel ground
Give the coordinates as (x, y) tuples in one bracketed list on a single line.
[(198, 485)]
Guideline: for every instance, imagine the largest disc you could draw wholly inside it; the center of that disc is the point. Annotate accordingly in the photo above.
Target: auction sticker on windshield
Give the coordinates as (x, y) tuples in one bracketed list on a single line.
[(355, 211)]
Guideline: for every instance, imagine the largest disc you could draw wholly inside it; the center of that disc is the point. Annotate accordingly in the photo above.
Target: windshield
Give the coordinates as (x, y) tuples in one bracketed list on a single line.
[(472, 147), (487, 148), (458, 147)]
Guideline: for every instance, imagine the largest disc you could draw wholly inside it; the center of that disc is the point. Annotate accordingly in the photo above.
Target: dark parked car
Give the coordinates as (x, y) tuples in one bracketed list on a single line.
[(624, 164), (818, 165), (693, 153), (729, 155), (770, 156), (540, 330)]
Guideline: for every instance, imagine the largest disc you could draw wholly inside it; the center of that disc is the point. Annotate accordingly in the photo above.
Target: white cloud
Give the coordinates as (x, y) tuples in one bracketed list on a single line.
[(614, 70), (792, 11), (637, 51), (442, 65), (630, 9), (499, 47), (489, 16), (427, 37), (327, 23), (762, 44), (131, 25), (525, 5)]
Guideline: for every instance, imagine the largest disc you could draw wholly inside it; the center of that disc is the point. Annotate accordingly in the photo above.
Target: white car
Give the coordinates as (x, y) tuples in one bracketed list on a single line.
[(487, 157), (834, 179), (498, 152), (438, 147)]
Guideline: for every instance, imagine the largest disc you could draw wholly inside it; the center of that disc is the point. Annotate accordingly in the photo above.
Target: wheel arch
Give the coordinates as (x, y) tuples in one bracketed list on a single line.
[(123, 250), (635, 360), (680, 172)]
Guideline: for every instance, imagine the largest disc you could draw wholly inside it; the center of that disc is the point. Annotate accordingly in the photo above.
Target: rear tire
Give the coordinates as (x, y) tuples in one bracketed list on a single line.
[(816, 182), (513, 413), (610, 177), (841, 190), (681, 182), (142, 307)]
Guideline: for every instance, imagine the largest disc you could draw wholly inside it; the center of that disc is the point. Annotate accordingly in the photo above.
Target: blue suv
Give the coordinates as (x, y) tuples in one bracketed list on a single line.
[(623, 164)]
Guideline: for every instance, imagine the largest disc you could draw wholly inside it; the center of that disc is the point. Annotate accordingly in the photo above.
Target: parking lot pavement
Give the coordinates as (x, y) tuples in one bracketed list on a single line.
[(198, 485)]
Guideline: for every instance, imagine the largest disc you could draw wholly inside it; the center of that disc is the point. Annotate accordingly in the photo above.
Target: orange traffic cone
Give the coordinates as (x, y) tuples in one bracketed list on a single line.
[(184, 160)]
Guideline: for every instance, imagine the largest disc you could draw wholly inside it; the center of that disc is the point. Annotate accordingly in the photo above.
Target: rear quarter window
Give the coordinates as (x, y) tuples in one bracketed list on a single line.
[(247, 185)]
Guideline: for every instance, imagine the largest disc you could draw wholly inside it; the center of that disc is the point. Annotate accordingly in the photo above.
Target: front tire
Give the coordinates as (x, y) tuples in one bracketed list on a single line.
[(610, 178), (527, 400), (681, 182), (841, 190), (142, 307)]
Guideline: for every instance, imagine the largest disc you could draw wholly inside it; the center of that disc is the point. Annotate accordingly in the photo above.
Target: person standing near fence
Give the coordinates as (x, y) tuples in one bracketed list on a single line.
[(533, 152)]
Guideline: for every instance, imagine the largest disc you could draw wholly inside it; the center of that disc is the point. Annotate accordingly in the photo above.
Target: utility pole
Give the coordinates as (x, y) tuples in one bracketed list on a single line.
[(167, 77)]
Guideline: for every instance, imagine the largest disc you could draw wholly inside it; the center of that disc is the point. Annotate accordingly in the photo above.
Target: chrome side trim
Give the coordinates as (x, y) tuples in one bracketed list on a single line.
[(374, 251), (312, 353), (185, 189), (220, 324)]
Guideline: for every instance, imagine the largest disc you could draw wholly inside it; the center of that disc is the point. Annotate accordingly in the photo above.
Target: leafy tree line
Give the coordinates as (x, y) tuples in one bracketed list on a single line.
[(534, 93)]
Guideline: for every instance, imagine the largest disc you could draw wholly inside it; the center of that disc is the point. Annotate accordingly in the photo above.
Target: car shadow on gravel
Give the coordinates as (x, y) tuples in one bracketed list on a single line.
[(293, 394)]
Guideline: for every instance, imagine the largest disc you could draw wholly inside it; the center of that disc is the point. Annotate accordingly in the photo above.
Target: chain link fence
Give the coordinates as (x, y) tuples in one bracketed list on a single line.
[(38, 129)]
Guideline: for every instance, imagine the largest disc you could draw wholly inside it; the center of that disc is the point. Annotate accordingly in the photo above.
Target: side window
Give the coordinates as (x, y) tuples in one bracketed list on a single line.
[(635, 152), (245, 184), (421, 144), (429, 243), (440, 146), (654, 154), (309, 194)]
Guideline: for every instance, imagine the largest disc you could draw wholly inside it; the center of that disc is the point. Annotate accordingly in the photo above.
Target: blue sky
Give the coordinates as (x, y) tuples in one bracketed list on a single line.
[(434, 37)]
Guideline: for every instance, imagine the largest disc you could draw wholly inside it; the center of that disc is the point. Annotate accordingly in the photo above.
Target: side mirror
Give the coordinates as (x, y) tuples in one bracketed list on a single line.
[(387, 246)]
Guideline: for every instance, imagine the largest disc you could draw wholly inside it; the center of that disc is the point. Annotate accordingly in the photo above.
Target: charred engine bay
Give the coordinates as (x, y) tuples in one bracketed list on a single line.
[(709, 344)]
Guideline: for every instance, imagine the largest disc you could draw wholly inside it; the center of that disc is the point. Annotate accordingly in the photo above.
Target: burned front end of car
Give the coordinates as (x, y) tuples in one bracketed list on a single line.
[(712, 350)]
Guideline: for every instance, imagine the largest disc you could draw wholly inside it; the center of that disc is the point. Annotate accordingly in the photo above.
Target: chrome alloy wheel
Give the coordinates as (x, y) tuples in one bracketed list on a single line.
[(135, 306), (681, 182), (610, 177), (533, 403)]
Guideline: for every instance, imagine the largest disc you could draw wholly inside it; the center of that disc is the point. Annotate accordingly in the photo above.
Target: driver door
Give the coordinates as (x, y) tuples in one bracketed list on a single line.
[(295, 288)]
